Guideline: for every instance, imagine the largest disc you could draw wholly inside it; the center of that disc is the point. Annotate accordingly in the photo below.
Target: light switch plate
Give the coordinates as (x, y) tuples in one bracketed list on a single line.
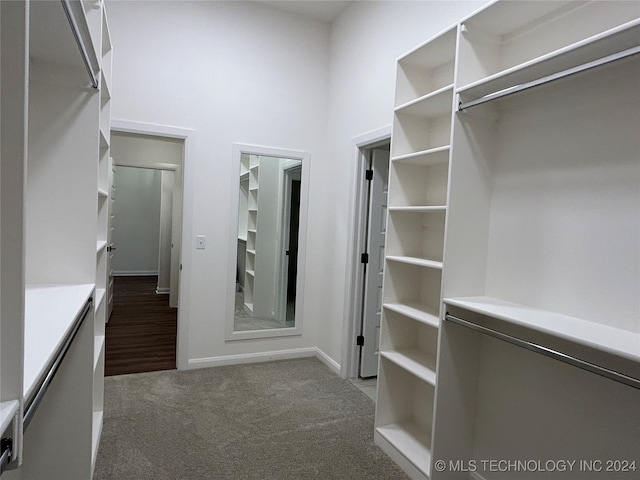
[(201, 242)]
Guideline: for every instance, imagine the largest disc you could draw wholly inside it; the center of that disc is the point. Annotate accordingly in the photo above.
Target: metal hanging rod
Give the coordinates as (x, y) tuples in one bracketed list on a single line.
[(550, 78), (32, 404), (548, 352), (74, 11)]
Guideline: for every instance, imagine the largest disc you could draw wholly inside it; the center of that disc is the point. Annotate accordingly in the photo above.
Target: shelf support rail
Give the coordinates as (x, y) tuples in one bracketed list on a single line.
[(74, 11), (548, 352), (550, 78), (32, 405)]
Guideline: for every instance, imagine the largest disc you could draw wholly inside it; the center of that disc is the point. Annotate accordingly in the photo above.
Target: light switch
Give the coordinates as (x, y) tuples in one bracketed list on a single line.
[(201, 242)]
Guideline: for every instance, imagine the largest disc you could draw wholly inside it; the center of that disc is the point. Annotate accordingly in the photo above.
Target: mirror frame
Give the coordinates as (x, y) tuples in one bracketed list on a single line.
[(238, 149)]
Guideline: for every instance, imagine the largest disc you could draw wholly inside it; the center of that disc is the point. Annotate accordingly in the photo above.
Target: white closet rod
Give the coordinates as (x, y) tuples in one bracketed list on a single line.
[(547, 352), (549, 78), (83, 38), (32, 404)]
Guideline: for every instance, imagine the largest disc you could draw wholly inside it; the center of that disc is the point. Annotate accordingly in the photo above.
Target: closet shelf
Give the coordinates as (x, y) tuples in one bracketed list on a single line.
[(414, 361), (420, 209), (431, 105), (100, 245), (593, 48), (50, 311), (615, 341), (104, 138), (8, 410), (410, 439), (421, 262), (95, 434), (417, 311), (98, 347), (425, 158), (100, 295), (102, 193)]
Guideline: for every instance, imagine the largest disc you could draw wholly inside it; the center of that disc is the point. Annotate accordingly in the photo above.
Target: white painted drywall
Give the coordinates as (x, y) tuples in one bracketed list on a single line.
[(137, 221), (233, 72), (242, 72)]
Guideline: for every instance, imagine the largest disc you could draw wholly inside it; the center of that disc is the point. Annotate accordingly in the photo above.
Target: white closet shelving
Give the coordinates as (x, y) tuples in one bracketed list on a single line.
[(248, 223), (414, 252), (55, 317), (519, 217)]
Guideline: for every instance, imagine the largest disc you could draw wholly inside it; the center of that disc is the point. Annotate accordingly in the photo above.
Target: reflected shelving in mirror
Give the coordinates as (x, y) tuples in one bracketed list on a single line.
[(265, 286)]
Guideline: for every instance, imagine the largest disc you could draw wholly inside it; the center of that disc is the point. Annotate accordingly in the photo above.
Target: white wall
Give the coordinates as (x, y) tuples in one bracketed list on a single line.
[(137, 221), (233, 72), (242, 72)]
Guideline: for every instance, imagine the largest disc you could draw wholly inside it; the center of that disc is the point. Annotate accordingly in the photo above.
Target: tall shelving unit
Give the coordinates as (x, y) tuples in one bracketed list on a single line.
[(530, 216), (56, 274), (249, 187), (418, 180)]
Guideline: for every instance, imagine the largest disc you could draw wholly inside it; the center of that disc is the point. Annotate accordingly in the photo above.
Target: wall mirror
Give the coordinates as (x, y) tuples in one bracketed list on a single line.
[(270, 192)]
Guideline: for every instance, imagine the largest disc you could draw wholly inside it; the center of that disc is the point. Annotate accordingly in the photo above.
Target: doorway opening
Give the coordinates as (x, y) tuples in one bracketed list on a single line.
[(369, 222), (145, 239)]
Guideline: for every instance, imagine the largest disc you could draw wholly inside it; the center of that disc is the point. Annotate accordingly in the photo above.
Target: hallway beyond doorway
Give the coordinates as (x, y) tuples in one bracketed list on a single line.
[(141, 334)]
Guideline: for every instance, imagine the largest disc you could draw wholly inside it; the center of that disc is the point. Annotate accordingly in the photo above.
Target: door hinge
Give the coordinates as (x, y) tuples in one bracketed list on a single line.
[(360, 341), (364, 258), (368, 174)]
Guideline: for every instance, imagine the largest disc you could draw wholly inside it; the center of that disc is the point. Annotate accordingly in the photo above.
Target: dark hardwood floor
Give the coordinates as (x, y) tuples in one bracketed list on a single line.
[(141, 334)]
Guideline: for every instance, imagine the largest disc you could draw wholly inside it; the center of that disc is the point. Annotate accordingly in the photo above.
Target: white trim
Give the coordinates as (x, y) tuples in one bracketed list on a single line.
[(353, 274), (163, 291), (188, 237), (261, 357), (237, 150)]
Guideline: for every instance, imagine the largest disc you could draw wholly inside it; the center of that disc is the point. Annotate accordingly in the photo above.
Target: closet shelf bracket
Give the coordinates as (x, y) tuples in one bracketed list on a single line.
[(549, 78), (547, 352)]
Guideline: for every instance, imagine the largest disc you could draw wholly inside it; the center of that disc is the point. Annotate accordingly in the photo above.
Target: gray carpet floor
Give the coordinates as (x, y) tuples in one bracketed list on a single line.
[(292, 419)]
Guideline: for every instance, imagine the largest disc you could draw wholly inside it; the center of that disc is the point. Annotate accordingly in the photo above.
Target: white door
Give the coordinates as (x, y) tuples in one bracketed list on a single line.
[(376, 233), (110, 247)]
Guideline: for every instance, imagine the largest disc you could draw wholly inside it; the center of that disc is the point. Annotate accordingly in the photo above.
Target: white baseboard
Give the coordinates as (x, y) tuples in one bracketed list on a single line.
[(135, 273), (264, 357)]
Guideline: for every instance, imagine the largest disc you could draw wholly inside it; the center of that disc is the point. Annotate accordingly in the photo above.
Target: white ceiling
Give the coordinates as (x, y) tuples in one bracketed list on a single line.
[(326, 11)]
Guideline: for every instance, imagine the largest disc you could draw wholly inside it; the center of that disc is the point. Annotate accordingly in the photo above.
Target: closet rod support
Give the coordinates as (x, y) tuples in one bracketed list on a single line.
[(549, 78), (32, 405), (548, 352), (82, 37)]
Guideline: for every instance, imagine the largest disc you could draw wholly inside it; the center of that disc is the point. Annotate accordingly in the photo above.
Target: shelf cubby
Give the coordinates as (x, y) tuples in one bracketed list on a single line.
[(426, 68), (419, 181), (416, 234), (411, 284), (410, 344), (418, 133), (406, 420)]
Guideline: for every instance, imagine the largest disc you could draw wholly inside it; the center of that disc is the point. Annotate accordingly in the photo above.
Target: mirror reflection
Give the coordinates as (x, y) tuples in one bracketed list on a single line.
[(268, 224)]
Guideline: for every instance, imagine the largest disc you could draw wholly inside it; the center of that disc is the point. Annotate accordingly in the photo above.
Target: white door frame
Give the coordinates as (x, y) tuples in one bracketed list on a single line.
[(354, 274), (188, 137), (283, 269)]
